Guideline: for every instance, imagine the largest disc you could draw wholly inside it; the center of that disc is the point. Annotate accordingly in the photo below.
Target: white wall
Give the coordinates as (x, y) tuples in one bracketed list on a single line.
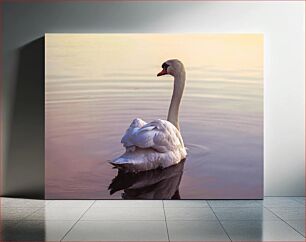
[(282, 22)]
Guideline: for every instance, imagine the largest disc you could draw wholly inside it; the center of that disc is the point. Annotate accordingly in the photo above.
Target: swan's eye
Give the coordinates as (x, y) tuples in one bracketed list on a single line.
[(165, 66)]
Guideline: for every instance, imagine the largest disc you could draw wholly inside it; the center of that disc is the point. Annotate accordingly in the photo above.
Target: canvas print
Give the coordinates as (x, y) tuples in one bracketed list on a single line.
[(154, 116)]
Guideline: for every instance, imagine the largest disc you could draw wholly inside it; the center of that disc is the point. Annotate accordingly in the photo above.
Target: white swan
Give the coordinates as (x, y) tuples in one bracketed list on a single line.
[(158, 143)]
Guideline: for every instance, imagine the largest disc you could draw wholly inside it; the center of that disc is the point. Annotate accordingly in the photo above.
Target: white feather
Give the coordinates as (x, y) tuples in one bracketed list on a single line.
[(151, 145)]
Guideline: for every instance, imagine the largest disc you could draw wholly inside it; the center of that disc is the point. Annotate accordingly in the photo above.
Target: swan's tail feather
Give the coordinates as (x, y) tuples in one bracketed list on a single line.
[(134, 161), (122, 163), (145, 159)]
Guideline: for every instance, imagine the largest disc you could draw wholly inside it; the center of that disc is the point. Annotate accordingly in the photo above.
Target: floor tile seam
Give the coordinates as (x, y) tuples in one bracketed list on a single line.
[(73, 225), (49, 204), (20, 221), (168, 235), (24, 218), (286, 223), (220, 223), (21, 207)]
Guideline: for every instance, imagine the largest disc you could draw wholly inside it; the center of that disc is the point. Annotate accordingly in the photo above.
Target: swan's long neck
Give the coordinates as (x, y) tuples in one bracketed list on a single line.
[(178, 89)]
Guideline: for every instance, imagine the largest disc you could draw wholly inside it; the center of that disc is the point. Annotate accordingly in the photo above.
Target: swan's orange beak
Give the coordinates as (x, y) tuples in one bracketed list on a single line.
[(163, 72)]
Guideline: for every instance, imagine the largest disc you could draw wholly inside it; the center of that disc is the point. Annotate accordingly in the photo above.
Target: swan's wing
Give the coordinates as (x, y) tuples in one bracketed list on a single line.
[(156, 144), (133, 128), (159, 134), (144, 137)]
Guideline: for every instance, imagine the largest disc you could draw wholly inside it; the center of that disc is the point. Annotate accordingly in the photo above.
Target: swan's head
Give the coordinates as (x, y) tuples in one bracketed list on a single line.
[(172, 67)]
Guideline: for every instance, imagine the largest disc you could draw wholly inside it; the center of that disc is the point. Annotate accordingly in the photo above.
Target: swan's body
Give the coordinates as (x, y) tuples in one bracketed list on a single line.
[(158, 143), (151, 145)]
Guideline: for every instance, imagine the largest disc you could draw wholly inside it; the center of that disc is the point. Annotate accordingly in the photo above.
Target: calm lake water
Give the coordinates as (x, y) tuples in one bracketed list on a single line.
[(221, 119)]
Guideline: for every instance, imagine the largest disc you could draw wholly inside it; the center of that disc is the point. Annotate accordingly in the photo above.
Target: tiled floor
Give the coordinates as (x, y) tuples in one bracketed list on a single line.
[(273, 219)]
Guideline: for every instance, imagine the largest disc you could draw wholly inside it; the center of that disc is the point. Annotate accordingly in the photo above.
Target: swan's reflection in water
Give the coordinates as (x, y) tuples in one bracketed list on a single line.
[(153, 184)]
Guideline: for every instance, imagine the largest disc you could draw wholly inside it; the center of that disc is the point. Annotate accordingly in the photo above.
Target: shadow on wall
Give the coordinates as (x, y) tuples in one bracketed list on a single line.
[(25, 151)]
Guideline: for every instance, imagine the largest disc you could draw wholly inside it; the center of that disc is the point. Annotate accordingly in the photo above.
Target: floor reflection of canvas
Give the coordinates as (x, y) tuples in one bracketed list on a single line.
[(154, 116)]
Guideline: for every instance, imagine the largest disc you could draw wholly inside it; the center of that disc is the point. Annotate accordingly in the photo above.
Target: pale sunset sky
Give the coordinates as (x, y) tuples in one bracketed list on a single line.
[(109, 56)]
